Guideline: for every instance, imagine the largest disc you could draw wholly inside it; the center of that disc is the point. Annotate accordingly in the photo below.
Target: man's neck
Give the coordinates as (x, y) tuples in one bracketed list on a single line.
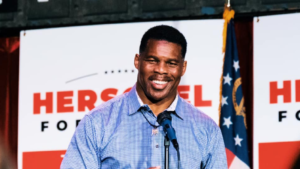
[(156, 107)]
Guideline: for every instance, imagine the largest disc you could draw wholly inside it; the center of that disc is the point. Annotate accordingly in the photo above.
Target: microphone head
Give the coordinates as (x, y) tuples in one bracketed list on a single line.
[(163, 116), (164, 119)]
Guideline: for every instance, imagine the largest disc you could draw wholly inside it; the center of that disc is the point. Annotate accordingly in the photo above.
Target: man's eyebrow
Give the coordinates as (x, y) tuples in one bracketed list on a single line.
[(173, 60), (168, 60), (151, 56)]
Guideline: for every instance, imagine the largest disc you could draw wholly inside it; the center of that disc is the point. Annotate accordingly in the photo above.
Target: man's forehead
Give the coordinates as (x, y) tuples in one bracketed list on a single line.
[(161, 42), (163, 47)]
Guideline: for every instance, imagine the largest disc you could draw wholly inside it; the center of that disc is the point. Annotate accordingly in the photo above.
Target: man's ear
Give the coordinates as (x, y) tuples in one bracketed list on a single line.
[(136, 61), (184, 67)]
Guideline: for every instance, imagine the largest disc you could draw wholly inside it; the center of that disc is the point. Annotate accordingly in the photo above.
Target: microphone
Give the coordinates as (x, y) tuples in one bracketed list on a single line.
[(164, 119)]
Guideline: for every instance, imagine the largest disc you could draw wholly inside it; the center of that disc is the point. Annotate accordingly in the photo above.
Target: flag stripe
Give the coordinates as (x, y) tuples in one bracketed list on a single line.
[(230, 157), (238, 164)]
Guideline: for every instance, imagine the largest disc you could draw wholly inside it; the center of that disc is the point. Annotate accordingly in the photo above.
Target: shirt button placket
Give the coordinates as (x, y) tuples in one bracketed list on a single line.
[(155, 149)]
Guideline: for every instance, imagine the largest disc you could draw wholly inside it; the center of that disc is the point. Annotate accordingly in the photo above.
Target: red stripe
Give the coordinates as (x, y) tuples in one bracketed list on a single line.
[(230, 157), (42, 159), (278, 155)]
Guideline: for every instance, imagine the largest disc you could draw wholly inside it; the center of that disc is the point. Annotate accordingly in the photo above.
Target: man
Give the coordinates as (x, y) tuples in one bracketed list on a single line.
[(123, 133)]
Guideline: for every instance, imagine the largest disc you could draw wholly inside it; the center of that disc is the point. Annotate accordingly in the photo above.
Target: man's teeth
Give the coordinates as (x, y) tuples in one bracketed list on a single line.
[(160, 82)]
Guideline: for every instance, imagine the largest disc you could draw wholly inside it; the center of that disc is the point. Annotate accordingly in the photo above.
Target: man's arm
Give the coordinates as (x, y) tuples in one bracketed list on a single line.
[(216, 156), (83, 150)]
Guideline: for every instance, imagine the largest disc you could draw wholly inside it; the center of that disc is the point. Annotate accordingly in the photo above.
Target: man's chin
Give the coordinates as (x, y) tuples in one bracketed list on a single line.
[(157, 96)]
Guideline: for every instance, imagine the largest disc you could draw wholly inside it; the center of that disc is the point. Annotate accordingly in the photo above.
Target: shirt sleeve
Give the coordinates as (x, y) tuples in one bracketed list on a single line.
[(82, 151), (216, 157)]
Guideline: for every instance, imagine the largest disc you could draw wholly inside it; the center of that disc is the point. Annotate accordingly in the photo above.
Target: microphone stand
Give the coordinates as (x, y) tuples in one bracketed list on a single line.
[(167, 145)]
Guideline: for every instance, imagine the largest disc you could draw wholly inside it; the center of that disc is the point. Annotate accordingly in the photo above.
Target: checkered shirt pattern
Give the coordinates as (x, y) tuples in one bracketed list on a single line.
[(116, 135)]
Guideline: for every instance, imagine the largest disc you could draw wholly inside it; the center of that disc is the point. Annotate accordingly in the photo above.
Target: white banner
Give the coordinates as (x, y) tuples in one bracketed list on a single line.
[(276, 91), (65, 72)]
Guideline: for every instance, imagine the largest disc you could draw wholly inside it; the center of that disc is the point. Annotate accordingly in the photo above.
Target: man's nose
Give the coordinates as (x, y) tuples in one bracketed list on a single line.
[(161, 68)]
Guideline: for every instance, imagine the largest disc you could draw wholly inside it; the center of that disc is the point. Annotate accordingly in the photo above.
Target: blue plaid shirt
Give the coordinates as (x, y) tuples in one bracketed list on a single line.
[(116, 135)]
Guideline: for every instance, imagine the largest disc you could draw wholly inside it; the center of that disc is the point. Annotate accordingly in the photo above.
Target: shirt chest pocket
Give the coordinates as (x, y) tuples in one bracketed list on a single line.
[(125, 151)]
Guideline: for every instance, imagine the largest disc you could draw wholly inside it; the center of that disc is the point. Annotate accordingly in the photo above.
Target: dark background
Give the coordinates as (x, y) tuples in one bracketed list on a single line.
[(28, 14)]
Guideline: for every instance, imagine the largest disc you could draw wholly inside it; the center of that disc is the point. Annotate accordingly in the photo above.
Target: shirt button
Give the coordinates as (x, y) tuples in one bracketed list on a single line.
[(156, 146)]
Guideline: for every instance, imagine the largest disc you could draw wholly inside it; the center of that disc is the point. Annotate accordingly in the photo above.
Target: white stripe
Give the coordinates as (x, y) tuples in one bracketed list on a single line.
[(238, 164)]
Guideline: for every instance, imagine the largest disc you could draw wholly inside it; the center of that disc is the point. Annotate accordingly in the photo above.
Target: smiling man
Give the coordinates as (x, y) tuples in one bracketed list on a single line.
[(123, 133)]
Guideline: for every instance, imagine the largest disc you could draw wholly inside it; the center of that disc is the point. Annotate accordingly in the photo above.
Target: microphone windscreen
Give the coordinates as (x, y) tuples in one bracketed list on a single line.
[(162, 116)]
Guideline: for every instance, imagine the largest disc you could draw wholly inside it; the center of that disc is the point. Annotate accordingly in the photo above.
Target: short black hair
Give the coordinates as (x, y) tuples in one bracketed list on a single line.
[(167, 33)]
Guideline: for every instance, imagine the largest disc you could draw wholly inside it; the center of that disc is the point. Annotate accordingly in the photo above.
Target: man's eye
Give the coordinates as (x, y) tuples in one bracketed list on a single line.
[(172, 63), (151, 61)]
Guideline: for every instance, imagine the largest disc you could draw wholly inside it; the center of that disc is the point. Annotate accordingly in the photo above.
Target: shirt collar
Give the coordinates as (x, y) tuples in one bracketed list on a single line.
[(172, 107), (135, 103)]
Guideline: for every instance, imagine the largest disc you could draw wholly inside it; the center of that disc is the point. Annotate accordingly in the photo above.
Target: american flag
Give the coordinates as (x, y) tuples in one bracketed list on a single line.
[(232, 116)]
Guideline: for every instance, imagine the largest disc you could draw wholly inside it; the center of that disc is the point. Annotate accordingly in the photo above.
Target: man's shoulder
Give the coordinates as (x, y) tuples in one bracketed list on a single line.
[(108, 107)]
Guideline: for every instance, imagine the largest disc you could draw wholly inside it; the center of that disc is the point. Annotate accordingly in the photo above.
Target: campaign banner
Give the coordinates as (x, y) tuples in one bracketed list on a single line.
[(66, 72), (276, 91)]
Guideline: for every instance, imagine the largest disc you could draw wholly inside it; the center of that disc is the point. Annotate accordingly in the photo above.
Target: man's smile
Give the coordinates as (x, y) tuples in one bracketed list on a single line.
[(158, 84)]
